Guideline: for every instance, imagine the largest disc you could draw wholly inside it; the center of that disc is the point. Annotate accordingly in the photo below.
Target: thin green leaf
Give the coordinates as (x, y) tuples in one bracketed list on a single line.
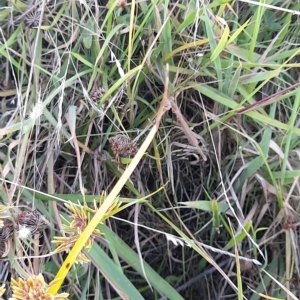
[(223, 41), (206, 205), (112, 273)]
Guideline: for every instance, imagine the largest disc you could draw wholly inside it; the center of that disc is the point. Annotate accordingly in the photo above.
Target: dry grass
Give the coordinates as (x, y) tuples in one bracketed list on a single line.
[(150, 150)]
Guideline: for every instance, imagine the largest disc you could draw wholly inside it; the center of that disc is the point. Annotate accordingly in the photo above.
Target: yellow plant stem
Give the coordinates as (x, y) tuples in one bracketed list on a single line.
[(60, 276)]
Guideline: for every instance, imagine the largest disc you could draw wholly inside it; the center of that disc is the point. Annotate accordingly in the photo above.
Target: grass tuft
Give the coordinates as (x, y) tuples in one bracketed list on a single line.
[(149, 149)]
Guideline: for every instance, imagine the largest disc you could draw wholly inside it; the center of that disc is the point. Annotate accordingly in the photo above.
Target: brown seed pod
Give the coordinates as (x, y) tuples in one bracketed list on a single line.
[(32, 220), (123, 146), (5, 233), (97, 93), (289, 223), (121, 4), (7, 230), (246, 265)]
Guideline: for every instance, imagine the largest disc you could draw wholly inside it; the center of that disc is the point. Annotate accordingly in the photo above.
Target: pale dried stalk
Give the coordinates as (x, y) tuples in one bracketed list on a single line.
[(185, 127)]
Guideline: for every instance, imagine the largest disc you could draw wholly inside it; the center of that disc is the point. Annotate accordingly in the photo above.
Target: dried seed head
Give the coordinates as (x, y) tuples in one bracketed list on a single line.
[(36, 111), (29, 221), (97, 93), (5, 233), (34, 287), (24, 232), (123, 146), (7, 230), (246, 265), (32, 19)]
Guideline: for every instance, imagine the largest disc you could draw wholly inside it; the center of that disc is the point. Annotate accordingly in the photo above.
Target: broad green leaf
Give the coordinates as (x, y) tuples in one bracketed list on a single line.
[(112, 273), (261, 76), (223, 41), (257, 162), (237, 32), (293, 120), (222, 99), (132, 259), (209, 25), (87, 36)]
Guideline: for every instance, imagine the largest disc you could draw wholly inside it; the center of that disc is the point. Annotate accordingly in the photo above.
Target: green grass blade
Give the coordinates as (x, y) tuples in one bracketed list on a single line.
[(112, 273)]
